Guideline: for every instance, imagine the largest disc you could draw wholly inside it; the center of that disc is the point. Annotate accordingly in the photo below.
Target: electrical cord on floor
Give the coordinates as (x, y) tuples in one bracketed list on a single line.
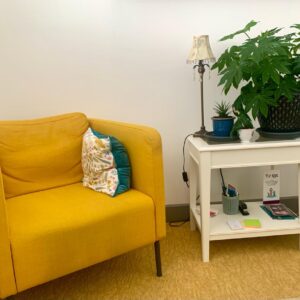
[(177, 224), (184, 173), (185, 179)]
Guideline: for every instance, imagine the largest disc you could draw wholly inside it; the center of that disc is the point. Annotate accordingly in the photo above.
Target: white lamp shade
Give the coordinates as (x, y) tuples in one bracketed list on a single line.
[(201, 50)]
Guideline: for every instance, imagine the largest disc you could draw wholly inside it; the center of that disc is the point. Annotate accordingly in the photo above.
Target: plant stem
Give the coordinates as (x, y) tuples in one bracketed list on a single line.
[(247, 35)]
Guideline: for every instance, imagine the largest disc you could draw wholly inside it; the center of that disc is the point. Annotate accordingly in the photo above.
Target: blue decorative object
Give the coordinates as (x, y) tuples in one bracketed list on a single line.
[(222, 126)]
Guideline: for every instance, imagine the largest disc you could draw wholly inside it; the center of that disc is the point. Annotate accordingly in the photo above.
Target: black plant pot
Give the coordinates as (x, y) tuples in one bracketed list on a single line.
[(282, 118)]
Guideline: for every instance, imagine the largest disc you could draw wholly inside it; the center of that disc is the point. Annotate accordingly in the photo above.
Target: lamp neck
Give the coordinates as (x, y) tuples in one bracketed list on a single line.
[(201, 67), (201, 70)]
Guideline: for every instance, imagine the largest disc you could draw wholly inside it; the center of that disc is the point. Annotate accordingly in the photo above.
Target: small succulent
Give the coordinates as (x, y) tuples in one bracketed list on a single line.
[(223, 109)]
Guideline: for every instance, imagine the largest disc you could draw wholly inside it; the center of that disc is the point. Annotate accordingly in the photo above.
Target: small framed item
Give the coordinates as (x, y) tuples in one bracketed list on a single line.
[(271, 187)]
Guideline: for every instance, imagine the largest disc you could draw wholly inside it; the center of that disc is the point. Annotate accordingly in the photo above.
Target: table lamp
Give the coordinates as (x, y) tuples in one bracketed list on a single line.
[(201, 55)]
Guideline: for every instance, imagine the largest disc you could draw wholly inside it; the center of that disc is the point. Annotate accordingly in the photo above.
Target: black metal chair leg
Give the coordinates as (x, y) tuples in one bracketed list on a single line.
[(157, 259)]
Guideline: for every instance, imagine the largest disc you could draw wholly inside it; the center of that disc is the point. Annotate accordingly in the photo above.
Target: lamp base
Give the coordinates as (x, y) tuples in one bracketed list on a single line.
[(201, 133)]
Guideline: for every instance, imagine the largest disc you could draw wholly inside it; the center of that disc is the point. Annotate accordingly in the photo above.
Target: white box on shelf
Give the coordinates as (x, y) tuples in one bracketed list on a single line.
[(271, 189)]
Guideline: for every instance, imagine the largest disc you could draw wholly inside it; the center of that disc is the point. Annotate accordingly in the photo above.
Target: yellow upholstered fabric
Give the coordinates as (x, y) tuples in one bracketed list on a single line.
[(145, 151), (61, 230), (7, 278), (40, 154)]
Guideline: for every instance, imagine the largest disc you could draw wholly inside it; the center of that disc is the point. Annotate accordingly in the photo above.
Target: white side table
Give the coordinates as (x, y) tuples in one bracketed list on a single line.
[(204, 157)]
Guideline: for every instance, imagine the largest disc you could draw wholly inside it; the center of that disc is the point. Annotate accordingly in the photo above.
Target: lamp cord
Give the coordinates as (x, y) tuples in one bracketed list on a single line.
[(184, 173), (223, 183)]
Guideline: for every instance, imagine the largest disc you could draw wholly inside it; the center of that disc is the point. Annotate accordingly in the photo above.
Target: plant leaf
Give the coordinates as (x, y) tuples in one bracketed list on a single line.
[(297, 26), (244, 30), (263, 108), (275, 76)]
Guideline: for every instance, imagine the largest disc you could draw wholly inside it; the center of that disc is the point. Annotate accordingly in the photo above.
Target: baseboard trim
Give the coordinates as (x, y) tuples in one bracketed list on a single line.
[(181, 212), (177, 212)]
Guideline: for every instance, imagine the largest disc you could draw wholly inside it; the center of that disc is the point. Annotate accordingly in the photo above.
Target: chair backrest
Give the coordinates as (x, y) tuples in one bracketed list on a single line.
[(40, 154)]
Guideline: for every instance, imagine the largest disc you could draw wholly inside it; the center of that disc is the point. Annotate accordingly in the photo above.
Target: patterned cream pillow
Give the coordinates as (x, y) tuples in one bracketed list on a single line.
[(98, 164)]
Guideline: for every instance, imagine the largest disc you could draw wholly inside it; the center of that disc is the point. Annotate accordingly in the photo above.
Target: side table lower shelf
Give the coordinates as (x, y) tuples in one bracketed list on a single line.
[(219, 230)]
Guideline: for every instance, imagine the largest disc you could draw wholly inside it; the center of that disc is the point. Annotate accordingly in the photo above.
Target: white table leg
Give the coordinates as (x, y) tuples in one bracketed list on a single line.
[(193, 190), (204, 185), (299, 198), (192, 221)]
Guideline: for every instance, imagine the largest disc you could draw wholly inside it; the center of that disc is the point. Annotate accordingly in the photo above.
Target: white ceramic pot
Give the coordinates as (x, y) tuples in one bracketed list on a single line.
[(246, 135)]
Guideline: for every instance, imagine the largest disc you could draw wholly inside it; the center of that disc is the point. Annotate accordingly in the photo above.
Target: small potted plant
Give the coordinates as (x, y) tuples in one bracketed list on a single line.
[(223, 122), (243, 126)]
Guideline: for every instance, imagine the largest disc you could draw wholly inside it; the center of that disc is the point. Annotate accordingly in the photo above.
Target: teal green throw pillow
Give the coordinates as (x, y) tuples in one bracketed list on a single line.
[(122, 162)]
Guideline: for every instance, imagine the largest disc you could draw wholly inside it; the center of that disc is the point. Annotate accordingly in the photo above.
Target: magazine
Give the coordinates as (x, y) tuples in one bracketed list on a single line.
[(279, 210)]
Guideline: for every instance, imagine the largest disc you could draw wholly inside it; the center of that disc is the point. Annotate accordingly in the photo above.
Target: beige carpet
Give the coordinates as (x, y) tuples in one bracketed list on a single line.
[(261, 268)]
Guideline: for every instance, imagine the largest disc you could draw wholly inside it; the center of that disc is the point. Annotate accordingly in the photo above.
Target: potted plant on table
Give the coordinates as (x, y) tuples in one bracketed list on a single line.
[(266, 68), (223, 122), (243, 126)]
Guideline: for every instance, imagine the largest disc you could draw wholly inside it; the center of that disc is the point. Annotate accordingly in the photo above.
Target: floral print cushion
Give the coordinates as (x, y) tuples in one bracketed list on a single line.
[(98, 164)]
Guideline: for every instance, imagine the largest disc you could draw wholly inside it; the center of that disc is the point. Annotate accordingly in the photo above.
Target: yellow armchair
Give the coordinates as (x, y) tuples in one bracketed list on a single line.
[(7, 278), (50, 225)]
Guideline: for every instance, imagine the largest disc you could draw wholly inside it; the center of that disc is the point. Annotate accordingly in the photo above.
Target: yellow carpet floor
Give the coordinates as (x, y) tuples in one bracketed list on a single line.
[(259, 268)]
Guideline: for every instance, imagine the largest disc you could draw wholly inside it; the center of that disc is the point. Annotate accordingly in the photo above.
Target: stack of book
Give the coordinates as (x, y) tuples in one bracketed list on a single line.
[(278, 211)]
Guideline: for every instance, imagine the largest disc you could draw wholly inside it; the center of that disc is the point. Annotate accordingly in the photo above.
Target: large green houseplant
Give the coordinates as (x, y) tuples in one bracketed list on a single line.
[(266, 68)]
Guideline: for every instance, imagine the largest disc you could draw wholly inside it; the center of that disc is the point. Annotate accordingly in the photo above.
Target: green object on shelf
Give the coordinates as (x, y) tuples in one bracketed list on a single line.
[(230, 205), (252, 223)]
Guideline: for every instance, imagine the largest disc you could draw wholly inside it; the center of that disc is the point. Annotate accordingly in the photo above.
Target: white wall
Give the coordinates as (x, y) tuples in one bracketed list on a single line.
[(125, 60)]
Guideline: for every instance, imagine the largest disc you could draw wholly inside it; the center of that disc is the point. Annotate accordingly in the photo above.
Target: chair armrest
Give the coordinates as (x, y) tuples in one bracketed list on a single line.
[(145, 152), (7, 278)]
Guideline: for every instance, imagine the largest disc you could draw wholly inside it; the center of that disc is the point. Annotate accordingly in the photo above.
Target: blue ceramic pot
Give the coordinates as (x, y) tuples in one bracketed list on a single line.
[(222, 126)]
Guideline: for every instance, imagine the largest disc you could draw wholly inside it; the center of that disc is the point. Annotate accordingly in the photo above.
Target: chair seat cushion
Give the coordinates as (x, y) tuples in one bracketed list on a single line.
[(61, 230)]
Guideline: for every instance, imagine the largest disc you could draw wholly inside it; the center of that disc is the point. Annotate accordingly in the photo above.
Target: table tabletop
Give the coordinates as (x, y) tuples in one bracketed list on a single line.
[(258, 142)]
